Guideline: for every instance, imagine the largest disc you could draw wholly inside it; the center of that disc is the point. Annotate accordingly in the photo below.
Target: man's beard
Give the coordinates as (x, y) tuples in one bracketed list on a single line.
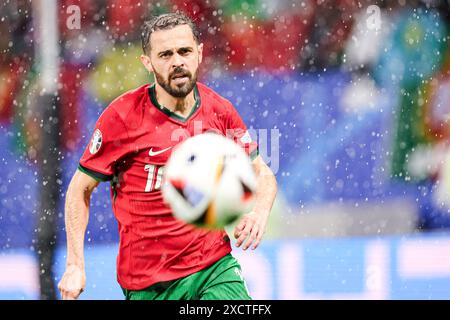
[(174, 90)]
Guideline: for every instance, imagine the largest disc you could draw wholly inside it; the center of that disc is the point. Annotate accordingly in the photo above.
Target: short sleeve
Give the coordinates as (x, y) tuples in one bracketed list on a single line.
[(237, 130), (106, 147)]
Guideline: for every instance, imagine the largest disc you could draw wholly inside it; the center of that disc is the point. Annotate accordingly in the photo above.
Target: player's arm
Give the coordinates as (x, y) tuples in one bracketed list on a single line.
[(76, 219), (253, 225)]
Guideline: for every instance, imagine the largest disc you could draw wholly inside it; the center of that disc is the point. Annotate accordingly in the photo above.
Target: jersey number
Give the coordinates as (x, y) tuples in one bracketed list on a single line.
[(154, 177)]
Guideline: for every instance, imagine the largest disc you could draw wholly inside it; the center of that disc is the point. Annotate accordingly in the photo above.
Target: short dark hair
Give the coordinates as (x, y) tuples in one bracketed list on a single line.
[(165, 22)]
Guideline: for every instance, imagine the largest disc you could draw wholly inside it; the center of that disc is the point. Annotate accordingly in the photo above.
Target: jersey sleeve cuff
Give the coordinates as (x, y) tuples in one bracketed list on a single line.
[(254, 154), (94, 174)]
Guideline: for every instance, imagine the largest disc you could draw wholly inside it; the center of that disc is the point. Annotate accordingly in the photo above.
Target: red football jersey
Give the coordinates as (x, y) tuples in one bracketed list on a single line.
[(132, 141)]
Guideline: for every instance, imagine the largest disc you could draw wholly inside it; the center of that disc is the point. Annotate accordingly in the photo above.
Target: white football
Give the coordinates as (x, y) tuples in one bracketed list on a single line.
[(209, 181)]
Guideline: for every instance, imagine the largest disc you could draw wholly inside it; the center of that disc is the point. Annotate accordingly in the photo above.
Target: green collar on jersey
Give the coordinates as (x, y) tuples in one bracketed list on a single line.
[(173, 115)]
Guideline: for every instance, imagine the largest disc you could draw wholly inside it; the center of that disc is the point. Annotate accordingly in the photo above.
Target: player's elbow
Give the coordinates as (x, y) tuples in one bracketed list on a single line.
[(273, 182), (266, 171), (74, 193), (268, 178), (80, 188)]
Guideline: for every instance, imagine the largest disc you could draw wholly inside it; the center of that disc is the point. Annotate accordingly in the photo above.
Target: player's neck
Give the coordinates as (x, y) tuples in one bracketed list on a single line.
[(181, 106)]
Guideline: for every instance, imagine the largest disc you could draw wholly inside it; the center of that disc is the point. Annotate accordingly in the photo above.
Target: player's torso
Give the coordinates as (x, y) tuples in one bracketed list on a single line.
[(154, 246), (152, 135)]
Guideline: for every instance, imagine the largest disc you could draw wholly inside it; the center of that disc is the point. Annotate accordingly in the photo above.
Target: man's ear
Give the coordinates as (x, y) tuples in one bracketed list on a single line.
[(200, 53), (146, 62)]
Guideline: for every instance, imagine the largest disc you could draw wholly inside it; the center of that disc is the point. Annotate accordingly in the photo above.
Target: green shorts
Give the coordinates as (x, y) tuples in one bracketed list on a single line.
[(221, 281)]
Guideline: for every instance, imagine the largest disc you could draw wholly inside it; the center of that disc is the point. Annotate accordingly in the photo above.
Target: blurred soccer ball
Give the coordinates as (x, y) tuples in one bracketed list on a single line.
[(209, 181)]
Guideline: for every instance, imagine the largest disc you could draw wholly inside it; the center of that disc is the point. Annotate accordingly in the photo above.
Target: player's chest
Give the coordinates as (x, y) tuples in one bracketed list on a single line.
[(154, 143), (150, 146)]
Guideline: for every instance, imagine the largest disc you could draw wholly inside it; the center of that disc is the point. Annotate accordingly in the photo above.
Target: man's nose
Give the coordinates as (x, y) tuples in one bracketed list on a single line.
[(177, 61)]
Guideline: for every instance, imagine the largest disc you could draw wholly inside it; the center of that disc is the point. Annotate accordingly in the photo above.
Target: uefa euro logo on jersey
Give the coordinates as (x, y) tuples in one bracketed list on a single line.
[(96, 142)]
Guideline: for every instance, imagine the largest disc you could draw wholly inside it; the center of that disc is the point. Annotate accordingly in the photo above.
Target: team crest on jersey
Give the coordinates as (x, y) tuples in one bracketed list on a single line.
[(96, 142)]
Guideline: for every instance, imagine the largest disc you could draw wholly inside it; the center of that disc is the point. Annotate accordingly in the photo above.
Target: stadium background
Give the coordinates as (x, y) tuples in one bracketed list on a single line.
[(355, 112)]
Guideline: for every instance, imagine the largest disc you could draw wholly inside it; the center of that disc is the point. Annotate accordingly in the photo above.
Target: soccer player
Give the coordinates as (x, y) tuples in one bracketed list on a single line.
[(161, 257)]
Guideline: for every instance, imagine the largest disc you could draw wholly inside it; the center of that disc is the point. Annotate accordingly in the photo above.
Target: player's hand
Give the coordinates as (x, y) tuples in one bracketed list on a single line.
[(252, 227), (72, 283)]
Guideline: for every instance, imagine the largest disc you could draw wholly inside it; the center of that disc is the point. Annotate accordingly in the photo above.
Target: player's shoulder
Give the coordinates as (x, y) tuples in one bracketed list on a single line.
[(212, 98), (127, 103)]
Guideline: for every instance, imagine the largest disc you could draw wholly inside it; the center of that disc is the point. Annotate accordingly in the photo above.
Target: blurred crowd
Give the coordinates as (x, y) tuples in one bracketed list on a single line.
[(240, 36), (401, 48)]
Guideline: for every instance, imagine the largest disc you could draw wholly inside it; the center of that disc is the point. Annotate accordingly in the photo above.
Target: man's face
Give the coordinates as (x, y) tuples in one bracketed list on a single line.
[(174, 59)]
